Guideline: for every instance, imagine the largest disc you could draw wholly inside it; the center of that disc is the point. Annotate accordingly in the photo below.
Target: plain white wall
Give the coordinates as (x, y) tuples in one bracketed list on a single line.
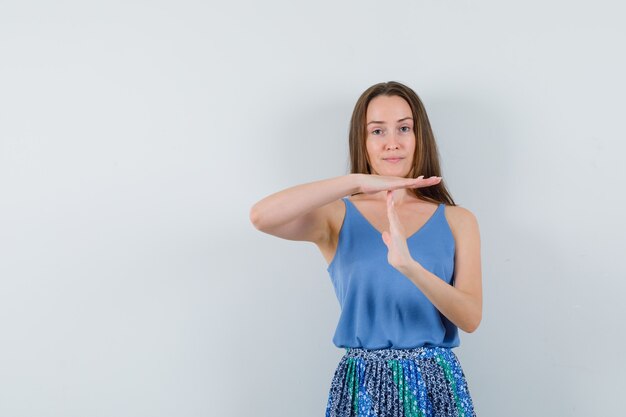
[(135, 136)]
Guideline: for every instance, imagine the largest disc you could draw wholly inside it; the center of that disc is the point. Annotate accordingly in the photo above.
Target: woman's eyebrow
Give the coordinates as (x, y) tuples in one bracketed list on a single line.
[(382, 123)]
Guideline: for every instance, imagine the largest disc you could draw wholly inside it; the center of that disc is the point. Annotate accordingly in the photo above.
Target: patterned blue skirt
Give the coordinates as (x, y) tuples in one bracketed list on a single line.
[(424, 382)]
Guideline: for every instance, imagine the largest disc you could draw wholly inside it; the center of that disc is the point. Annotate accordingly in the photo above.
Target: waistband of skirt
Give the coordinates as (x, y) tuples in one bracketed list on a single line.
[(423, 352)]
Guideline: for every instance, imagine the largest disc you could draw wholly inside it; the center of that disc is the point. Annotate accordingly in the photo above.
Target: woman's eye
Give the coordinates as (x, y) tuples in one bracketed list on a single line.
[(405, 129), (377, 131)]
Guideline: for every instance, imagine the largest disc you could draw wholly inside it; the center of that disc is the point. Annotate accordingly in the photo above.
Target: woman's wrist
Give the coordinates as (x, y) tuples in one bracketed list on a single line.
[(357, 180), (411, 268)]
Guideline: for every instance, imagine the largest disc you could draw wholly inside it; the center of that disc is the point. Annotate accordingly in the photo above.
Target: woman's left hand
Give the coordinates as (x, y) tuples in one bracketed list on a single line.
[(398, 254), (461, 302)]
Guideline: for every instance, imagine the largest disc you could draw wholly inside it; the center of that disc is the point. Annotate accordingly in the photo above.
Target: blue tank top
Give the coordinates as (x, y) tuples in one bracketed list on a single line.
[(380, 307)]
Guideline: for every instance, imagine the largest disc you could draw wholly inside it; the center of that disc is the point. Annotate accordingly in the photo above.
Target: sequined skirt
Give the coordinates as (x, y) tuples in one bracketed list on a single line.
[(425, 382)]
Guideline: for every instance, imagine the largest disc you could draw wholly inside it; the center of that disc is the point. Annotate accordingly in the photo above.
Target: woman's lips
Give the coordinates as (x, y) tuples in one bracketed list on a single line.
[(392, 160)]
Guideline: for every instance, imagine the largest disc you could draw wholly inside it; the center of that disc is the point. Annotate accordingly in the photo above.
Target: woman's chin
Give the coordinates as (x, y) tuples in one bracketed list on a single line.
[(394, 173)]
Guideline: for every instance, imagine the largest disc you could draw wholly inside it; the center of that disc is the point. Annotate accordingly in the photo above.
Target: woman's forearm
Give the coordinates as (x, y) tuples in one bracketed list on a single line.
[(289, 204), (461, 308)]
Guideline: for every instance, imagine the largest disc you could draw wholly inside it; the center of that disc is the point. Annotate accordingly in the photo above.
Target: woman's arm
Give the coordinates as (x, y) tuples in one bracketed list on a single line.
[(461, 303), (304, 212)]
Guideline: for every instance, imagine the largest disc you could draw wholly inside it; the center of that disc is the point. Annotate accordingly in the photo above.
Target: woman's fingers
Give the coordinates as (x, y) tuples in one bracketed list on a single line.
[(426, 182), (418, 182), (395, 227), (395, 239), (374, 183)]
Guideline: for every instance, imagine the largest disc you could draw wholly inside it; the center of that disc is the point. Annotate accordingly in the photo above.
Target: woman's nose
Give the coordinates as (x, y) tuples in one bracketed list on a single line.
[(392, 142)]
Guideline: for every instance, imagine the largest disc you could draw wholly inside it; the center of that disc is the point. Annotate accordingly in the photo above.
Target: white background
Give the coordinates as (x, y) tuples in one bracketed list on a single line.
[(135, 136)]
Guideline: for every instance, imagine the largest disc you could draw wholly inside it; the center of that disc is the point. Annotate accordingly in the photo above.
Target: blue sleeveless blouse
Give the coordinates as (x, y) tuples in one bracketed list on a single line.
[(380, 307)]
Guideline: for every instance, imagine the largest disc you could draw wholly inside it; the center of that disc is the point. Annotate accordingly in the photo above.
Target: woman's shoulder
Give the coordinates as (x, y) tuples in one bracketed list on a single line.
[(459, 212), (460, 218)]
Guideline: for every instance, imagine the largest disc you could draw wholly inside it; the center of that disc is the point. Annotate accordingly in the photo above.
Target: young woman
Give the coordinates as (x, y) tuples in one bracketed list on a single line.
[(404, 260)]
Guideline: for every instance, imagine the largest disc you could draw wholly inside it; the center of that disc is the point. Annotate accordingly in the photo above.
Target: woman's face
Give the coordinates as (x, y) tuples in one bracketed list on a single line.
[(390, 140)]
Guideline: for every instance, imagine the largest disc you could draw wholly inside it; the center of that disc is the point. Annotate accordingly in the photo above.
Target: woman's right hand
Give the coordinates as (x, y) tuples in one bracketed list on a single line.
[(307, 211), (370, 184)]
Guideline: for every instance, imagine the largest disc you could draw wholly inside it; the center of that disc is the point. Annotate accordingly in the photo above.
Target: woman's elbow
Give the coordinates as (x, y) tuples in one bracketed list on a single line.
[(255, 218), (472, 325)]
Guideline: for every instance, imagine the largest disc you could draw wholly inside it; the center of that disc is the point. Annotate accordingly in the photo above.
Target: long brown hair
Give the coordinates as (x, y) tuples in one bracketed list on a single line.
[(426, 156)]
